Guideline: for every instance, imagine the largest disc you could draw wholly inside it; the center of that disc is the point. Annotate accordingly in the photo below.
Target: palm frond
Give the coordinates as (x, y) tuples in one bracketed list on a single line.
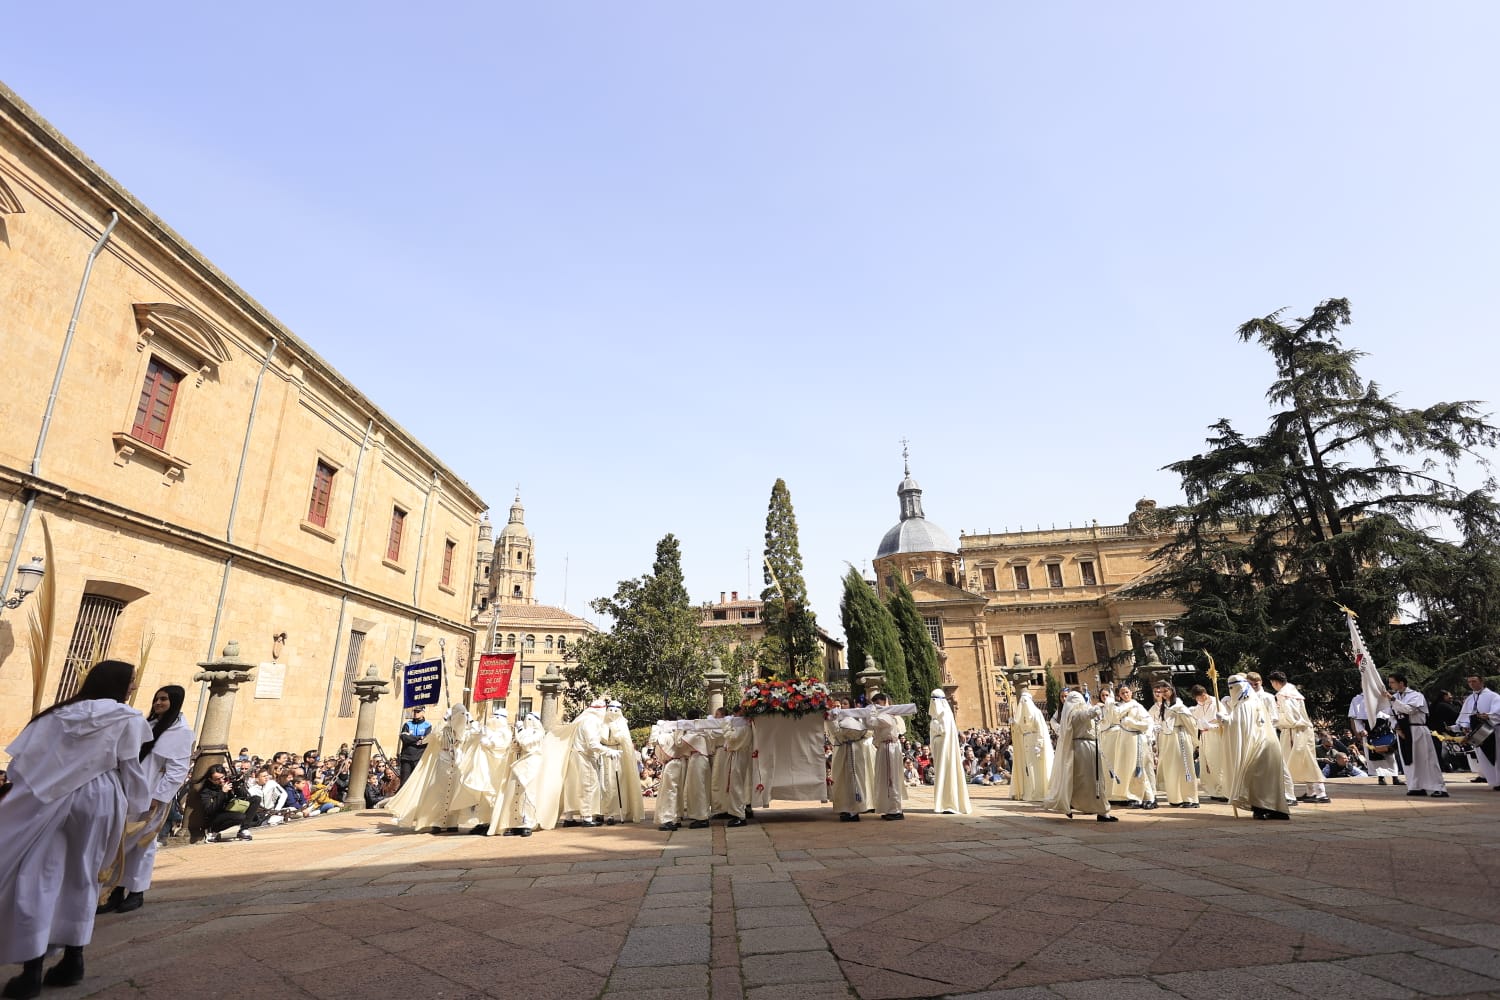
[(43, 621)]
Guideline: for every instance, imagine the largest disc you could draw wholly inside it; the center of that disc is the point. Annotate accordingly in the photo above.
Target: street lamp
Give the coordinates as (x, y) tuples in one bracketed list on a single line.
[(1171, 650), (28, 578)]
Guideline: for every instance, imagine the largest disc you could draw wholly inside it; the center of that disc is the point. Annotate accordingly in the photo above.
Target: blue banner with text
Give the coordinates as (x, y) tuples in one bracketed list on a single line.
[(424, 683)]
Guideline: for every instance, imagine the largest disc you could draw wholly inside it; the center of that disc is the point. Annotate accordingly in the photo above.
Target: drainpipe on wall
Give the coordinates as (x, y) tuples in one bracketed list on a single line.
[(338, 637), (41, 438)]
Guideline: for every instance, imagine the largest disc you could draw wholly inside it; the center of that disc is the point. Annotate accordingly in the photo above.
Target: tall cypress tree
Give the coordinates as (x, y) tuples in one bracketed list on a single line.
[(870, 630), (921, 655), (791, 645)]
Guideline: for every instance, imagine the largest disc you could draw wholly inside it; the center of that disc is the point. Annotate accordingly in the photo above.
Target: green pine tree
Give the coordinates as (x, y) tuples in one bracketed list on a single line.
[(869, 630), (792, 646), (1333, 504), (921, 655)]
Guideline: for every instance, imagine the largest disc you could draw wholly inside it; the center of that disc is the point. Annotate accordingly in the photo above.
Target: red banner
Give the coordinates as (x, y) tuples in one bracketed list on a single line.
[(493, 679)]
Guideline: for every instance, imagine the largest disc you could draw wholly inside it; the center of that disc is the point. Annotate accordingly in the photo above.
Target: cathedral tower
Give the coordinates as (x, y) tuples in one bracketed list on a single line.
[(513, 569)]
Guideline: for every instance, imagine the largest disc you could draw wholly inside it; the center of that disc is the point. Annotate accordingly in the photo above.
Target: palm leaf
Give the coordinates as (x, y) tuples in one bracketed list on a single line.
[(140, 665), (43, 621)]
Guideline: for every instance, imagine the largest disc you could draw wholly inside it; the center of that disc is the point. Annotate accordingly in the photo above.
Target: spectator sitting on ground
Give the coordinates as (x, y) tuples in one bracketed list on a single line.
[(1341, 767), (270, 795)]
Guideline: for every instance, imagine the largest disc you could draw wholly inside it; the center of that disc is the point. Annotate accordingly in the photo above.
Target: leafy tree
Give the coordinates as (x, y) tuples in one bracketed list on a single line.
[(654, 654), (869, 629), (1333, 504), (1054, 691), (792, 645), (921, 655)]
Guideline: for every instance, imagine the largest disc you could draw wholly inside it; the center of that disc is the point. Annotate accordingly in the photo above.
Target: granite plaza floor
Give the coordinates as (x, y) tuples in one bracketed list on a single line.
[(1376, 895)]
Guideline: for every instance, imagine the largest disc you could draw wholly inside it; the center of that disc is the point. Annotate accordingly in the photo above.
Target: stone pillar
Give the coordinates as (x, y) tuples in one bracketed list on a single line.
[(224, 677), (550, 684), (715, 680), (872, 678), (368, 690)]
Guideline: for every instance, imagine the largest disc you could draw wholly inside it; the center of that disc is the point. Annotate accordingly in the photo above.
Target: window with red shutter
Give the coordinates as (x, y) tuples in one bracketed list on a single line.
[(154, 413), (448, 549), (322, 491), (393, 547)]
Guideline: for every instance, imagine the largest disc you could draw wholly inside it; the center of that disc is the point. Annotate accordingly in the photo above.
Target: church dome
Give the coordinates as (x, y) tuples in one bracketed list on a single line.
[(516, 526), (914, 533)]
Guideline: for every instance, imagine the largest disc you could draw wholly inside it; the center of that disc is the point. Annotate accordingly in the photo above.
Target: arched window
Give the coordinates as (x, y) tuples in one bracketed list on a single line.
[(549, 644), (530, 643), (562, 644), (510, 641)]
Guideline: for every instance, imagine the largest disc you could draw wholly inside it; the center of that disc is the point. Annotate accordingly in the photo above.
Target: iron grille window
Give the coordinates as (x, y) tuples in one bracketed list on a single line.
[(154, 412), (90, 642), (351, 673)]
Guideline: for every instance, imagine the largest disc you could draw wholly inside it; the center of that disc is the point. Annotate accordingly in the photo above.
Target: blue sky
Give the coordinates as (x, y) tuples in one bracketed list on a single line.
[(644, 259)]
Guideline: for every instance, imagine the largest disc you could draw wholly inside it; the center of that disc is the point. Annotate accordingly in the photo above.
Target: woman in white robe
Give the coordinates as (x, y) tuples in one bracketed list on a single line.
[(1132, 765), (1111, 739), (1252, 755), (1175, 729), (1078, 782), (1298, 740), (166, 759), (950, 791), (75, 774), (1032, 759), (1208, 716), (619, 771)]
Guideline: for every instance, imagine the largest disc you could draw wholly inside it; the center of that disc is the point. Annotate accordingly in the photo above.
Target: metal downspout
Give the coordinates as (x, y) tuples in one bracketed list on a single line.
[(234, 506), (338, 637), (41, 438)]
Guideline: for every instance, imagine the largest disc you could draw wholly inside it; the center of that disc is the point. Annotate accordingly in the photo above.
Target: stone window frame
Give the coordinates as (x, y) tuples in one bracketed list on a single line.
[(449, 558), (395, 537), (307, 524), (1093, 570), (178, 338)]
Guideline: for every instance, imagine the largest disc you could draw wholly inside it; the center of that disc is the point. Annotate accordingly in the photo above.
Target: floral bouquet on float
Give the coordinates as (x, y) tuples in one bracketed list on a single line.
[(795, 697)]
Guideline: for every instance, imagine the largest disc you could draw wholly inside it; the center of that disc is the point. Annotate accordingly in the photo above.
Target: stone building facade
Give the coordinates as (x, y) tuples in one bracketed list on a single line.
[(508, 618), (205, 475), (1062, 600)]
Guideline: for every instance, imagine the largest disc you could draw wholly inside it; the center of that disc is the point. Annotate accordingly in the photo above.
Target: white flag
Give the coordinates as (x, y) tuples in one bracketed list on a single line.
[(1370, 683)]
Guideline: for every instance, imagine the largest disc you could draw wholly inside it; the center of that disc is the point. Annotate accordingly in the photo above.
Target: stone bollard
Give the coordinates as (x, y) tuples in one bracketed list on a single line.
[(871, 679), (224, 677), (715, 680), (368, 689), (550, 684)]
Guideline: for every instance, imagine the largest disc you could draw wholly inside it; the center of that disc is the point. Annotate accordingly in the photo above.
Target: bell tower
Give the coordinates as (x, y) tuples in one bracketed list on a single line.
[(513, 569)]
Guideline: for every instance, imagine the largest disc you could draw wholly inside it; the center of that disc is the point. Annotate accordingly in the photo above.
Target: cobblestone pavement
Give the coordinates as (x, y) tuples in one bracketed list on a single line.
[(1375, 896)]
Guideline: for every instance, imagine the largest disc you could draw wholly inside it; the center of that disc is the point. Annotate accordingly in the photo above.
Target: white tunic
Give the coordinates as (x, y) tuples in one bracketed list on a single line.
[(1252, 756), (1134, 774), (950, 791), (76, 773), (166, 769), (1298, 744), (1423, 772), (1483, 702), (851, 774), (1209, 716), (1031, 764), (517, 806), (1175, 729), (889, 781)]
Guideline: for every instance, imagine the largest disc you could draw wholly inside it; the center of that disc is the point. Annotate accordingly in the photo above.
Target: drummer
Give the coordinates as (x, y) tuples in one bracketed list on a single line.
[(1477, 717)]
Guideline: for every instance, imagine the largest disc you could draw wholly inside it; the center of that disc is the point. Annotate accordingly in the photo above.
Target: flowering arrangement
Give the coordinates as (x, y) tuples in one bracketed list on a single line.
[(794, 696)]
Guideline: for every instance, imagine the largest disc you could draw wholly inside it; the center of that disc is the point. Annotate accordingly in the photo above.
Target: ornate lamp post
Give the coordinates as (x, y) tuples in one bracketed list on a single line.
[(1173, 666), (871, 679), (715, 680), (28, 578)]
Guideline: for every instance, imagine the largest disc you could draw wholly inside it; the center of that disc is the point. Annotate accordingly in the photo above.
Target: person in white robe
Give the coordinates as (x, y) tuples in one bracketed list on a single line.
[(737, 755), (694, 744), (1298, 740), (1176, 728), (435, 798), (489, 765), (887, 726), (580, 791), (718, 791), (620, 795), (1111, 743), (1078, 783), (1031, 751), (1135, 774), (1273, 715), (950, 789), (1478, 717), (1252, 754), (516, 812), (1209, 715), (1424, 775), (849, 730), (1381, 758), (669, 784), (166, 758), (76, 774)]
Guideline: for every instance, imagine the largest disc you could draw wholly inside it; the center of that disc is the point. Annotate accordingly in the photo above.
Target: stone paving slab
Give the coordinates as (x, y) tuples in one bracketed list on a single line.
[(999, 905)]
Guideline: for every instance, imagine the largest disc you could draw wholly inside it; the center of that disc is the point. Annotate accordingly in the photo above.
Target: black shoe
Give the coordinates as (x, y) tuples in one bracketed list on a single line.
[(587, 822), (110, 905), (243, 835), (132, 901), (1415, 791), (749, 813), (480, 830), (848, 818), (572, 822), (1380, 780), (1273, 814), (1439, 794), (893, 816), (524, 831), (68, 972), (509, 833), (1476, 781), (1190, 805), (28, 984), (611, 821), (698, 824), (669, 826), (1321, 800), (1148, 805), (1104, 818), (736, 821), (1397, 781)]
